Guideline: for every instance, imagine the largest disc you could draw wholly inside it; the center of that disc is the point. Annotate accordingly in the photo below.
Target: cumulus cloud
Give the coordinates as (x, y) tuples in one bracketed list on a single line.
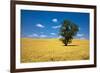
[(55, 20), (43, 36), (55, 27), (59, 36), (82, 38), (52, 33), (40, 25), (33, 35), (80, 35)]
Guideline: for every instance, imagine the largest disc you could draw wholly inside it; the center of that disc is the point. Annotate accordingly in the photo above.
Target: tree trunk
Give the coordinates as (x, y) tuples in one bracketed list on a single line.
[(66, 43)]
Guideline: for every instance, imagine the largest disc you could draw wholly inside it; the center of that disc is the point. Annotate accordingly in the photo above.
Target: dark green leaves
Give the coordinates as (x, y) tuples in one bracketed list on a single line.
[(67, 31)]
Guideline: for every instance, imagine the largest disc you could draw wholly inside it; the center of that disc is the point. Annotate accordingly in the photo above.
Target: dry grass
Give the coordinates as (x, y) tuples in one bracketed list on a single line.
[(42, 50)]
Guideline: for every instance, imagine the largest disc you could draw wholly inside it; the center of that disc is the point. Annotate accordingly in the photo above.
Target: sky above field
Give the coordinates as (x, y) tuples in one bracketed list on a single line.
[(46, 24)]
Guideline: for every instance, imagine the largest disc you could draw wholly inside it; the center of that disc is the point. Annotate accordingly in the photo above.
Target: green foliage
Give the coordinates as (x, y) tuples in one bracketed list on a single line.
[(67, 31)]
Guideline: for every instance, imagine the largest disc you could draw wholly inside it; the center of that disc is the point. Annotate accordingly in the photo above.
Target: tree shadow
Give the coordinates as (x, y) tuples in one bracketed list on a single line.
[(70, 45)]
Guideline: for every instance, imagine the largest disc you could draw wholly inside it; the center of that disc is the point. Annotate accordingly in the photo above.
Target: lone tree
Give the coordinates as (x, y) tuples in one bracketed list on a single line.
[(67, 31)]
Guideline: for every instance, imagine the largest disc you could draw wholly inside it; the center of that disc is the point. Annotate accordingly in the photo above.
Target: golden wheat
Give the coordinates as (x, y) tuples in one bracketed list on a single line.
[(42, 50)]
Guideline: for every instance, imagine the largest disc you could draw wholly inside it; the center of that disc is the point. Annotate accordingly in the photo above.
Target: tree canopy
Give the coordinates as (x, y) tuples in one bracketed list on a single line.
[(67, 31)]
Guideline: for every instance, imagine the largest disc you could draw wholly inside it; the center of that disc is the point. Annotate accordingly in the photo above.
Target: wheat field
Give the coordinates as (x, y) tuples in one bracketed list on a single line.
[(44, 50)]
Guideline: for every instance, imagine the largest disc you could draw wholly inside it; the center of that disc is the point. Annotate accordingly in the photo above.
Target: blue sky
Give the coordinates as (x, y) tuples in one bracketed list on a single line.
[(46, 24)]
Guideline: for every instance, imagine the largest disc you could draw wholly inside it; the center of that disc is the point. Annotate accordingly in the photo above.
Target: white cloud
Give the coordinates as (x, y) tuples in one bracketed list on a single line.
[(55, 20), (52, 33), (33, 35), (82, 38), (59, 36), (43, 36), (55, 27), (80, 35), (40, 25)]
